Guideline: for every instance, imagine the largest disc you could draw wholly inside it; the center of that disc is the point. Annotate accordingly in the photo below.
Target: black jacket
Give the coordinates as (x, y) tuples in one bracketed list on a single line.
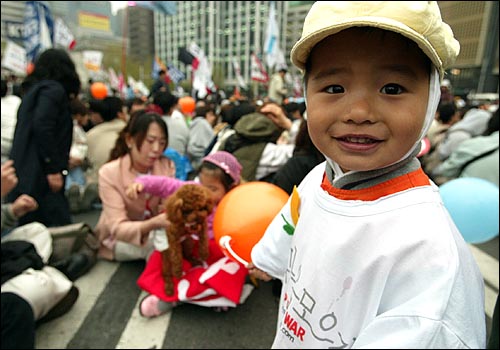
[(41, 145)]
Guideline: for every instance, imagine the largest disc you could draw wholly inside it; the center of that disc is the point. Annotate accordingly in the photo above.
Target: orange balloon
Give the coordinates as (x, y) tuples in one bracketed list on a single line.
[(243, 215), (30, 68), (98, 90), (187, 104)]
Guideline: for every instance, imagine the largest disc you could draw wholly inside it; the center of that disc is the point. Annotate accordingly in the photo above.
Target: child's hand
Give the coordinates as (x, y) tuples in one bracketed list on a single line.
[(133, 190), (256, 273)]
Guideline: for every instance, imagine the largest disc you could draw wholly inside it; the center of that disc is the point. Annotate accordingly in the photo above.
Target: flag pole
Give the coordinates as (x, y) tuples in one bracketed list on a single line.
[(124, 44)]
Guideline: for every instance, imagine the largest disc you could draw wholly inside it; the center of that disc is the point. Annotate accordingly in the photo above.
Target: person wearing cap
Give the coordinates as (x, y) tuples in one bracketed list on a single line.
[(277, 87), (220, 172), (368, 254)]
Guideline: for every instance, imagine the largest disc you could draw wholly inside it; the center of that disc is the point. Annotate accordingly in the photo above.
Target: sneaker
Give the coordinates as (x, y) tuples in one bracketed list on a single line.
[(152, 306), (73, 195), (90, 195), (62, 306)]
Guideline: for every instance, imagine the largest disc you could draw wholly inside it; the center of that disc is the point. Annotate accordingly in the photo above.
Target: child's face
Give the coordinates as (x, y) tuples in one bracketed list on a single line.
[(367, 97), (210, 180)]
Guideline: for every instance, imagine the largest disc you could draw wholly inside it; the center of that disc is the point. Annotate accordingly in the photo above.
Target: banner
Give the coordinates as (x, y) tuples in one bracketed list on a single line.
[(15, 31), (257, 71), (94, 21), (38, 29), (175, 74), (14, 58), (92, 60)]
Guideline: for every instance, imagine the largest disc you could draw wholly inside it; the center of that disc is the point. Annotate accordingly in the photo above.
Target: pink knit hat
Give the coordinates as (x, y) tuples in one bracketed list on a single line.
[(227, 162)]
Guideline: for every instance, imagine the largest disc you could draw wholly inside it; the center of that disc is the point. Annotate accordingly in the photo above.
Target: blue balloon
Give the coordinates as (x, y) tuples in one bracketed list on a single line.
[(473, 204)]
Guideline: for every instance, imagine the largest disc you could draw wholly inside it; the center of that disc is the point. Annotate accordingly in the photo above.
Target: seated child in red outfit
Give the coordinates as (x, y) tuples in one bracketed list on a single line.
[(220, 284)]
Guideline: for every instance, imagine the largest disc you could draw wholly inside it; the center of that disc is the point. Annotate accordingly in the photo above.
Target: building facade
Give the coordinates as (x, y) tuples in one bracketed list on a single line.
[(232, 30)]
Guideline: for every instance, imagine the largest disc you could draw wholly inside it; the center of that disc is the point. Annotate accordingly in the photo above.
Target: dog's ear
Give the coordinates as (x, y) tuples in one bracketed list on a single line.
[(177, 209), (174, 208)]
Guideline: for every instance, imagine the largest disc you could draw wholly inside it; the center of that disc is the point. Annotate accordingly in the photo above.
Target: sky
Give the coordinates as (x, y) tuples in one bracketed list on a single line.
[(116, 5)]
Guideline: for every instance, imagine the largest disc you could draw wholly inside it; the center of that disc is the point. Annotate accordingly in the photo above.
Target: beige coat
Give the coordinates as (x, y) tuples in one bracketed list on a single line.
[(101, 140), (121, 217)]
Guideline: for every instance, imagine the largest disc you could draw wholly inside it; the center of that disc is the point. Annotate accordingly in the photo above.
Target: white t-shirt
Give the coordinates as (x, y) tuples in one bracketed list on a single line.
[(392, 272)]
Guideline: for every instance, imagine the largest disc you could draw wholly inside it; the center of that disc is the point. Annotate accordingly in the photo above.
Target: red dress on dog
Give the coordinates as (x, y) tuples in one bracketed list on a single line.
[(217, 284)]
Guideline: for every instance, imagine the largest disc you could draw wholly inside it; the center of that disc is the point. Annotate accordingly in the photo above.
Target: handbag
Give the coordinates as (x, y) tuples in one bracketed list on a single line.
[(74, 238)]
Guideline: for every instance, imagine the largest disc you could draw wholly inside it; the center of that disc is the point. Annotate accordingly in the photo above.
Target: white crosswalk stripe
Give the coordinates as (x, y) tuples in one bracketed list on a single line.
[(57, 333), (142, 333)]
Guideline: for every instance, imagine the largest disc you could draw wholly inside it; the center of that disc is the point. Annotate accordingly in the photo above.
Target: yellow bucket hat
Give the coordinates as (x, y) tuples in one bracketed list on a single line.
[(419, 21)]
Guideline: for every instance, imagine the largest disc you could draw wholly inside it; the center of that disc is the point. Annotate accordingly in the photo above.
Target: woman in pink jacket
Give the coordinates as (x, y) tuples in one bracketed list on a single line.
[(126, 227)]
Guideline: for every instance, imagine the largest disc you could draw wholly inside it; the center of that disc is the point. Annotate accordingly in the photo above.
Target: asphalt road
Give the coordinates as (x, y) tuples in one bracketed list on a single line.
[(106, 315)]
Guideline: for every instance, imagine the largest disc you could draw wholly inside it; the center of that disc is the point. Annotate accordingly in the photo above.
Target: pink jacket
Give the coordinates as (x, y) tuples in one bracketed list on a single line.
[(121, 217), (164, 186)]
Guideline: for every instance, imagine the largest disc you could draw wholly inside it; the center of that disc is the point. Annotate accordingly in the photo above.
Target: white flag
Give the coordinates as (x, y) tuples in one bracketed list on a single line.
[(62, 35), (271, 45), (114, 82), (202, 75), (237, 72)]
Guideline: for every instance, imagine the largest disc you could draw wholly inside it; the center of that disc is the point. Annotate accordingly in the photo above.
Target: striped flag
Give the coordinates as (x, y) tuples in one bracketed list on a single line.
[(258, 72), (175, 74)]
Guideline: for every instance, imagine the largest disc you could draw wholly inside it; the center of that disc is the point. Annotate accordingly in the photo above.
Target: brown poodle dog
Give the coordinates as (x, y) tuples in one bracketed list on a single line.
[(187, 210)]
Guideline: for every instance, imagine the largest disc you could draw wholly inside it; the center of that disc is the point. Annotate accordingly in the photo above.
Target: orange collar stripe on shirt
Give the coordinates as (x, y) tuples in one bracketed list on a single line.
[(414, 179)]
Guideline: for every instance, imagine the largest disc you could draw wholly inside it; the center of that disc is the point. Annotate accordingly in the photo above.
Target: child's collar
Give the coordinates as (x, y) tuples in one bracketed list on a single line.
[(363, 179)]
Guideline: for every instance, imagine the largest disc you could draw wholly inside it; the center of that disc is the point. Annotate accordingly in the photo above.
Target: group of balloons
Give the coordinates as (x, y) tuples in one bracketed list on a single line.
[(98, 90)]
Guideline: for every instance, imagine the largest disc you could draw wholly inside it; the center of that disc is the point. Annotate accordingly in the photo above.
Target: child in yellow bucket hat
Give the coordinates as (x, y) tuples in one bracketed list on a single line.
[(373, 258)]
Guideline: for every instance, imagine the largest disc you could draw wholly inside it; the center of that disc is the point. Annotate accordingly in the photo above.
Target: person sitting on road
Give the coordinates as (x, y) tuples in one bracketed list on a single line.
[(220, 172), (125, 227), (32, 291)]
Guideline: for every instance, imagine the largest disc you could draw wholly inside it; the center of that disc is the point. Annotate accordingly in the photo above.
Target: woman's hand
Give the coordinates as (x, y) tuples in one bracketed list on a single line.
[(153, 223), (133, 190), (277, 115), (56, 181), (9, 177), (257, 273), (23, 205)]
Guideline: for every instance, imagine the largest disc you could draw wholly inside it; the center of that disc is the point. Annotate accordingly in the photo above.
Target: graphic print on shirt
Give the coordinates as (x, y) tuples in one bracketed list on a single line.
[(299, 309), (294, 212)]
